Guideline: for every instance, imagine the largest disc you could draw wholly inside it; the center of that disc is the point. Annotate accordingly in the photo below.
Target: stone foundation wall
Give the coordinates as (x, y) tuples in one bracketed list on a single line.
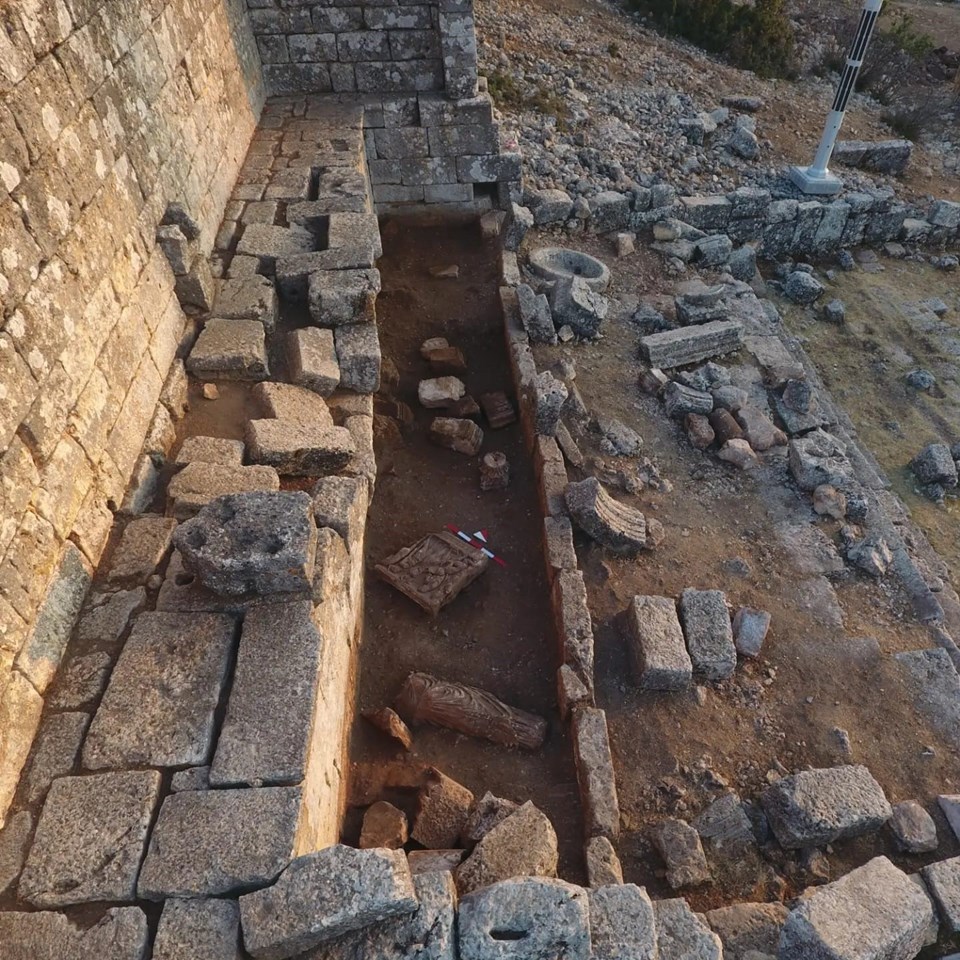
[(109, 111)]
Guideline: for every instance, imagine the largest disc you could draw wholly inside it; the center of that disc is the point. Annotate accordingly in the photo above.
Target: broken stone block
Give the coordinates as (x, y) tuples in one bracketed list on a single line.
[(874, 911), (595, 774), (699, 431), (383, 826), (427, 934), (709, 635), (197, 484), (571, 691), (571, 613), (107, 615), (550, 395), (266, 733), (143, 546), (750, 629), (758, 429), (679, 845), (913, 828), (14, 840), (828, 501), (358, 352), (390, 723), (483, 816), (657, 649), (82, 681), (447, 361), (498, 410), (726, 827), (341, 504), (494, 472), (159, 707), (313, 360), (748, 927), (122, 934), (674, 348), (231, 350), (935, 464), (614, 525), (268, 243), (682, 934), (197, 288), (440, 392), (248, 298), (558, 540), (818, 458), (529, 918), (90, 839), (434, 861), (679, 400), (251, 543), (739, 453), (603, 864), (210, 450), (201, 845), (535, 315), (442, 809), (461, 436), (802, 288), (54, 753), (575, 304), (943, 882), (192, 928), (295, 448), (338, 297), (324, 895), (622, 924), (872, 555), (816, 807)]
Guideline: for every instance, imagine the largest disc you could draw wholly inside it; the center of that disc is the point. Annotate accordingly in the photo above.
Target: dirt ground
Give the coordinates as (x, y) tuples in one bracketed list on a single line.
[(674, 752), (498, 634)]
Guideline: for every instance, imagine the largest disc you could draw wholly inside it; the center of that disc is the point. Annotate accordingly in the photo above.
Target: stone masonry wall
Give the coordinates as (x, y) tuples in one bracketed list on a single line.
[(430, 133), (109, 111)]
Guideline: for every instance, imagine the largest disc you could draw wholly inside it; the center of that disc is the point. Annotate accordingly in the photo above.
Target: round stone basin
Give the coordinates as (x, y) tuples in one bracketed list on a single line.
[(558, 263)]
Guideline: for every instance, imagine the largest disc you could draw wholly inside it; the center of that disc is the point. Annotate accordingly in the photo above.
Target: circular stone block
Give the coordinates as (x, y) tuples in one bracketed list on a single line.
[(557, 263)]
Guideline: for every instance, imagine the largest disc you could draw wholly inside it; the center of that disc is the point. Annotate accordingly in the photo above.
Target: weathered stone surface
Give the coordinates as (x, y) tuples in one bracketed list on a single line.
[(298, 448), (213, 842), (266, 733), (484, 814), (595, 774), (143, 547), (230, 349), (750, 628), (708, 632), (699, 431), (428, 934), (90, 839), (383, 826), (726, 827), (943, 882), (313, 360), (816, 807), (210, 450), (935, 464), (106, 615), (252, 543), (442, 810), (324, 895), (571, 690), (82, 680), (20, 709), (193, 778), (358, 353), (528, 918), (338, 297), (549, 397), (614, 525), (603, 864), (498, 410), (746, 927), (758, 429), (876, 911), (190, 929), (810, 551), (462, 436), (682, 934), (575, 304), (284, 401), (341, 504), (440, 392), (622, 925), (574, 625), (197, 484), (535, 315), (523, 844), (268, 243), (14, 839), (679, 845), (158, 708), (122, 934), (818, 458), (674, 348), (248, 298), (54, 753), (913, 828), (657, 649), (680, 400)]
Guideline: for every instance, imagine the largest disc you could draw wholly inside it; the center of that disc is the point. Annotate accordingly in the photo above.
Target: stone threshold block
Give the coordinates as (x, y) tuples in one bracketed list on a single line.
[(657, 649), (708, 632), (230, 350), (300, 449), (248, 298), (158, 709), (674, 348), (595, 773), (313, 360), (217, 842), (90, 839), (269, 243), (198, 483)]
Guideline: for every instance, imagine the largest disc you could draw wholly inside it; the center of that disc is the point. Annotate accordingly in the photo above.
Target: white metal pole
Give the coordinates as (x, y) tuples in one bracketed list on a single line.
[(817, 178)]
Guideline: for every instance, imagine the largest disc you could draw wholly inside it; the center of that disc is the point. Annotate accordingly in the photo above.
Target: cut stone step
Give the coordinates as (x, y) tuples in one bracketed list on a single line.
[(230, 350), (313, 360), (657, 649), (199, 483), (298, 449)]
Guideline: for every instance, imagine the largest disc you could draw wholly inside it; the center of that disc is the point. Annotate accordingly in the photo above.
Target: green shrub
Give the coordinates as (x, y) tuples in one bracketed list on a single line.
[(758, 38), (510, 95)]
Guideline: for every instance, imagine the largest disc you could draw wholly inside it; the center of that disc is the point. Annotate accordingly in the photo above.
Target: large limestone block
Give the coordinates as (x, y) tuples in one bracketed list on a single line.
[(313, 360), (231, 350), (90, 839), (443, 806), (358, 353), (674, 348), (876, 912), (743, 927), (20, 709), (54, 752), (595, 773), (708, 632), (299, 449), (943, 881), (622, 925), (284, 401), (158, 709), (192, 929), (214, 842), (324, 895), (816, 807), (657, 649), (199, 483), (529, 918), (338, 297), (267, 730)]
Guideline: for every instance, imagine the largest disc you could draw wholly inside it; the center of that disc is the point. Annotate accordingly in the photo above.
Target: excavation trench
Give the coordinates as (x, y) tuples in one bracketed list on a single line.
[(498, 633)]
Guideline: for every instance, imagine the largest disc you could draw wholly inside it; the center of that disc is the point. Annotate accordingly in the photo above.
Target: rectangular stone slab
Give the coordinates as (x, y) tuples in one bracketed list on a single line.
[(90, 839), (266, 733), (213, 842), (159, 706), (673, 348), (708, 632), (657, 650)]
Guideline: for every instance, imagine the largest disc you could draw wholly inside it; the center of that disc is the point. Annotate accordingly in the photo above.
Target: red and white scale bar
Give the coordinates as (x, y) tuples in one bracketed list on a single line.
[(480, 536)]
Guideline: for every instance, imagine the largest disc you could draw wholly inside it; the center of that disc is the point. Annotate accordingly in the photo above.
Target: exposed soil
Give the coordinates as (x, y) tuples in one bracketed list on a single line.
[(674, 753), (498, 634)]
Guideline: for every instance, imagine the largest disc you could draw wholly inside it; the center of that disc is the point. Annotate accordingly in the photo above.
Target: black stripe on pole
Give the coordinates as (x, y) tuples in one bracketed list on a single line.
[(845, 89), (863, 38), (848, 80)]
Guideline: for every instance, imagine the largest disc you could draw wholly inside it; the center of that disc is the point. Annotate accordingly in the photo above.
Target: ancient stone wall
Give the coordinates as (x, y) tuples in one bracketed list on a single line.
[(109, 111)]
